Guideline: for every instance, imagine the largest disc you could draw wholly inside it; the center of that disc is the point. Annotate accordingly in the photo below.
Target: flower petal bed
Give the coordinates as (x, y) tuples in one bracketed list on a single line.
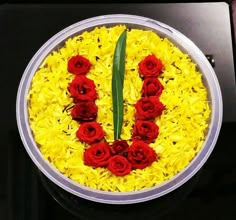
[(178, 132)]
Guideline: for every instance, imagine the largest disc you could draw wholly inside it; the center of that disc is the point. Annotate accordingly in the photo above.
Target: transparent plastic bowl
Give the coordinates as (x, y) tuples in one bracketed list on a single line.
[(186, 45)]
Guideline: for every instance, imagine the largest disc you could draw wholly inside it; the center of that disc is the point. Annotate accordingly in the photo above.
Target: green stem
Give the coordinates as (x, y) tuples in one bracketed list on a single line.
[(117, 84)]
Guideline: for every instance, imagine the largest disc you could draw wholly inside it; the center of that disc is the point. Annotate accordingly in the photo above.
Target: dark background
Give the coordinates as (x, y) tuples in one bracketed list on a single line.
[(211, 194)]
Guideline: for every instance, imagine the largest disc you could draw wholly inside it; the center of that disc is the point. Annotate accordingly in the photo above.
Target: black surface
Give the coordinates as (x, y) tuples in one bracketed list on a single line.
[(24, 29), (112, 1)]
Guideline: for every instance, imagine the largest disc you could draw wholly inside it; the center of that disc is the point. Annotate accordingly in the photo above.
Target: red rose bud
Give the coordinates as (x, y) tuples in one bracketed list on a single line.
[(97, 155), (84, 111), (140, 155), (119, 165), (90, 132), (152, 87), (146, 131), (78, 65), (148, 108), (150, 66), (82, 89), (119, 147)]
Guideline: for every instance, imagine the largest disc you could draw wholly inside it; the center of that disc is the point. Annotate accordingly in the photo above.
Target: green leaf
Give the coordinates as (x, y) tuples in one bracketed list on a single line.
[(117, 84)]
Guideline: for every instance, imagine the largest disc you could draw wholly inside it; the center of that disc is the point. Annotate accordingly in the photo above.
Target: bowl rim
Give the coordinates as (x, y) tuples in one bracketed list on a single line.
[(119, 197)]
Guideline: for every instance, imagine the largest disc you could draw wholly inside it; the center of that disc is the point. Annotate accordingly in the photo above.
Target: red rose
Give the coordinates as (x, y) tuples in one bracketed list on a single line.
[(78, 65), (84, 111), (82, 88), (119, 165), (148, 108), (152, 87), (140, 155), (97, 155), (146, 131), (119, 147), (150, 66), (90, 132)]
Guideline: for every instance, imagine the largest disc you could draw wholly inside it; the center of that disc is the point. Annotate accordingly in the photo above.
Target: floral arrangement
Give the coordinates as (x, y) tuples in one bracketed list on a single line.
[(165, 110), (118, 158)]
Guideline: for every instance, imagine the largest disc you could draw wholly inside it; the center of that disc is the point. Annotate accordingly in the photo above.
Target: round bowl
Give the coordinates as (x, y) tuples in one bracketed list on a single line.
[(131, 21)]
